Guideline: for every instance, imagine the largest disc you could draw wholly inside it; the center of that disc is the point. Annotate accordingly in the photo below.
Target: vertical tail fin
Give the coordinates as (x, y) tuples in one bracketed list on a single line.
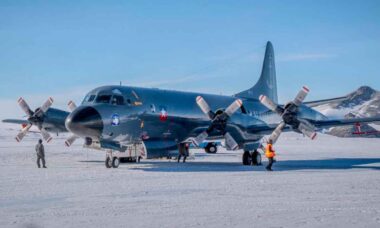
[(267, 84)]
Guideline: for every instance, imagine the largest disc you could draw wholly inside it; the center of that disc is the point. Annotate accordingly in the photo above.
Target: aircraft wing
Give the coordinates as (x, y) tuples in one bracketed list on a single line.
[(343, 122), (15, 121), (325, 101), (268, 129)]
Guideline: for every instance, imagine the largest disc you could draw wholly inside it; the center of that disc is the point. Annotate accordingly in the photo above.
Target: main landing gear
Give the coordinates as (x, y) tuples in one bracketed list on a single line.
[(251, 158), (112, 162)]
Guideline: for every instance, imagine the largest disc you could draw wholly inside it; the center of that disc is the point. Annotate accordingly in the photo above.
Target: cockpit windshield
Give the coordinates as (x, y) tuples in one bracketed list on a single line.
[(103, 99), (113, 97), (117, 100), (91, 98)]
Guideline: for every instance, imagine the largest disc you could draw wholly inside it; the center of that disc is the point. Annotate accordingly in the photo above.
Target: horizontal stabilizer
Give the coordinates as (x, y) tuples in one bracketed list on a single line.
[(15, 121), (322, 102)]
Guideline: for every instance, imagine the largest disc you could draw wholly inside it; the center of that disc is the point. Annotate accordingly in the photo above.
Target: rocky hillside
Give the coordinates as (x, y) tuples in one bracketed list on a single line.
[(364, 102)]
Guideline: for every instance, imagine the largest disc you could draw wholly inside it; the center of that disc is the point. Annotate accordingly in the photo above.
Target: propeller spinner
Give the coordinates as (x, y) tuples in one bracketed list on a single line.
[(218, 121), (289, 114), (34, 118)]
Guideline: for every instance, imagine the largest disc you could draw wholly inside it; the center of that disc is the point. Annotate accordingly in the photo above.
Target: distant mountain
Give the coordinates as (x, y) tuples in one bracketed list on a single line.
[(364, 102)]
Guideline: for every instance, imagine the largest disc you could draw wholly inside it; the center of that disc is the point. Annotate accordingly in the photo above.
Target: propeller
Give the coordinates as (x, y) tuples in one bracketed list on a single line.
[(218, 121), (69, 141), (289, 114), (34, 118)]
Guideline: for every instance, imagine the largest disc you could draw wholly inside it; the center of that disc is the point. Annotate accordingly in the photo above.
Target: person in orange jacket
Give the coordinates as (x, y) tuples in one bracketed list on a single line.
[(270, 154)]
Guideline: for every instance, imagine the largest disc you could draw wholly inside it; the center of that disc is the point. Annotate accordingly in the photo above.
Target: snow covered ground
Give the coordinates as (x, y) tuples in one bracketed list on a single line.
[(330, 182)]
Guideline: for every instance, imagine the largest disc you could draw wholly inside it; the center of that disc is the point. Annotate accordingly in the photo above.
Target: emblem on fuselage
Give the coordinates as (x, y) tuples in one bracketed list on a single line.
[(115, 120), (163, 114)]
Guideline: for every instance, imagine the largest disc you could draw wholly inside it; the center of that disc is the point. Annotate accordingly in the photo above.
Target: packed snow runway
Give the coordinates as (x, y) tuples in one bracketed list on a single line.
[(330, 182)]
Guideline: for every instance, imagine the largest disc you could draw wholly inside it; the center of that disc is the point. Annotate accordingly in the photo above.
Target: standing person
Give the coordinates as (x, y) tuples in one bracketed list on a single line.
[(183, 151), (40, 150), (186, 152), (270, 154)]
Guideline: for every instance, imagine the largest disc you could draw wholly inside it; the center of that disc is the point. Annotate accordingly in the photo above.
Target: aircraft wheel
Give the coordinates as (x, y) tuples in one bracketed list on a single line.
[(256, 158), (247, 158), (115, 162), (211, 148), (108, 162)]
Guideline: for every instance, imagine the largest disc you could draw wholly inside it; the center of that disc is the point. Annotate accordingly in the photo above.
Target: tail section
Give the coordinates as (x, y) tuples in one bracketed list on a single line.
[(267, 84)]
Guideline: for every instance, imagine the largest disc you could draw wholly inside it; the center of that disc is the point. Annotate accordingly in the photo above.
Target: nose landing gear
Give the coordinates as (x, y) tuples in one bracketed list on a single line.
[(211, 148)]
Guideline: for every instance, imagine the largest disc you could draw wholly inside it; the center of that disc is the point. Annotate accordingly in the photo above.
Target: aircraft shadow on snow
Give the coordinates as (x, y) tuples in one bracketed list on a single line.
[(287, 165)]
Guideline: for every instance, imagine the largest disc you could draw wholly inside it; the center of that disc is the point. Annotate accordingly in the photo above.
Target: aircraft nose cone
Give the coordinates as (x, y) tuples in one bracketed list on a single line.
[(85, 122)]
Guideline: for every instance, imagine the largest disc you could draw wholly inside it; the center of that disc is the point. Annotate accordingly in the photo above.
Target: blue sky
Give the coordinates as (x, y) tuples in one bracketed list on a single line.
[(64, 48)]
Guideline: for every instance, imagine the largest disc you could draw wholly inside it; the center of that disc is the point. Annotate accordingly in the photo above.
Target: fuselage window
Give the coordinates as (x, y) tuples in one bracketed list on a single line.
[(104, 99), (117, 100)]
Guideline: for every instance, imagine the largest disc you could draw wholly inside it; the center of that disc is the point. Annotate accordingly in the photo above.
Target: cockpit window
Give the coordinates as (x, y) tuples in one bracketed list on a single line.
[(104, 99), (117, 100), (91, 98)]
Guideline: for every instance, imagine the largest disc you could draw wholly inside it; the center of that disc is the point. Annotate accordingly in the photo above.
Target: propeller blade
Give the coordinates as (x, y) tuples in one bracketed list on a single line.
[(307, 129), (277, 132), (233, 107), (200, 138), (301, 96), (231, 144), (267, 102), (23, 132), (45, 135), (71, 140), (25, 107), (72, 106), (205, 107), (47, 104)]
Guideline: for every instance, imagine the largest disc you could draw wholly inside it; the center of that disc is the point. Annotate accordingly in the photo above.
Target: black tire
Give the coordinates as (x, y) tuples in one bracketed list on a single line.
[(247, 158), (108, 162), (256, 158), (115, 162), (211, 148)]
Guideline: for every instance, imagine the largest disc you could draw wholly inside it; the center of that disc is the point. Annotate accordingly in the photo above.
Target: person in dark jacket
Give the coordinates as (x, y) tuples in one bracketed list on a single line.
[(183, 151), (40, 150)]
